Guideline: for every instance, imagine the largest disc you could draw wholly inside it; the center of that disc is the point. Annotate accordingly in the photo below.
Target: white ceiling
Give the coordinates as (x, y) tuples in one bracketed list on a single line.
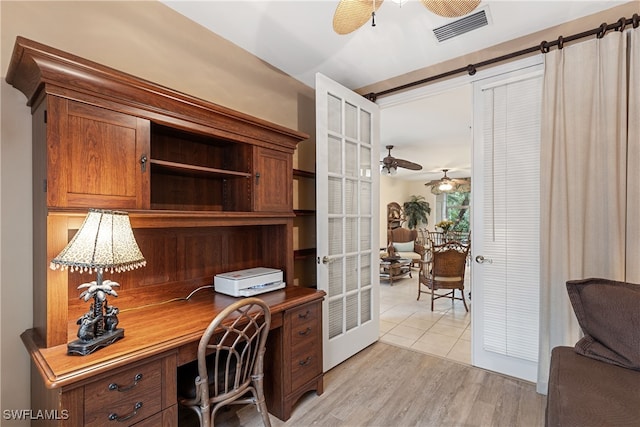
[(297, 37)]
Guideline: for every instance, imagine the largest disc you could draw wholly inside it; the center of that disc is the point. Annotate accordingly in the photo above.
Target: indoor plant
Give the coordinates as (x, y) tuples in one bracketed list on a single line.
[(416, 211)]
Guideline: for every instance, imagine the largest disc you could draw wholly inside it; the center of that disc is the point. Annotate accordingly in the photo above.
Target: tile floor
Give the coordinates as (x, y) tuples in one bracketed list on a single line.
[(406, 322)]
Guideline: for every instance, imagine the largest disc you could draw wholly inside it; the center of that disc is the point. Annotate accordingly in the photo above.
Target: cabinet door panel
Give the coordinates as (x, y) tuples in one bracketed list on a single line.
[(95, 157), (273, 182)]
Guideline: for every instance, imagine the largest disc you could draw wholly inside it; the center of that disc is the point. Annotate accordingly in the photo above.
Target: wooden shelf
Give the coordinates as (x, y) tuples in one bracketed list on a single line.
[(304, 212), (304, 253), (193, 170), (303, 174)]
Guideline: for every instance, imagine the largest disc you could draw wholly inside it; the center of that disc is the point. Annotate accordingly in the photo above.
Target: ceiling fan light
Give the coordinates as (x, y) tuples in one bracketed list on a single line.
[(445, 186), (388, 170)]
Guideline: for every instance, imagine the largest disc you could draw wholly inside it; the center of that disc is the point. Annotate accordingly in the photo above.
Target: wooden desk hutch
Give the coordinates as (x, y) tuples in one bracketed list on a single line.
[(207, 189)]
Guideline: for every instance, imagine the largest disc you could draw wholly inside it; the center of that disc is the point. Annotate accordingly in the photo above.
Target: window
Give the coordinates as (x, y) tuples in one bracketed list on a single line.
[(455, 207)]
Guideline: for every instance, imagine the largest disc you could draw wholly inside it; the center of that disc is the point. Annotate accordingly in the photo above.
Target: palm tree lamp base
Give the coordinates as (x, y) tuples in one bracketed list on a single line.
[(82, 348), (98, 326)]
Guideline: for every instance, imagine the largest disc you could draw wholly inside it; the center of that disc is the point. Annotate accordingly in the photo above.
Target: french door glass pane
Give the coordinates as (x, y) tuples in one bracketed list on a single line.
[(335, 118), (365, 198), (335, 236), (335, 318), (351, 275), (350, 120), (351, 159), (334, 155), (351, 235), (335, 277), (351, 196), (352, 311), (365, 306), (365, 234), (335, 196), (365, 162), (365, 127), (365, 270)]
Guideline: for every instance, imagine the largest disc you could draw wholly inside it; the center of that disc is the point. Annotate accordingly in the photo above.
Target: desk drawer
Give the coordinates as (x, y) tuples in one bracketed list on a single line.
[(129, 395), (305, 332), (306, 363), (305, 314)]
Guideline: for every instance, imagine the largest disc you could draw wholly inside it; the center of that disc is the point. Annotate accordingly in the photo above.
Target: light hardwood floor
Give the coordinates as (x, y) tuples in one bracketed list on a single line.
[(386, 385)]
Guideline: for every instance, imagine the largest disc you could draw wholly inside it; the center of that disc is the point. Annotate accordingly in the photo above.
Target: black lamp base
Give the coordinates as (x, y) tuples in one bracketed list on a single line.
[(82, 348)]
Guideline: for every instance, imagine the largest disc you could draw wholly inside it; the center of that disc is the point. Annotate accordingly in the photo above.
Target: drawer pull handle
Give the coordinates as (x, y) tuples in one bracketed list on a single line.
[(116, 387), (304, 316), (305, 361), (114, 417), (305, 332)]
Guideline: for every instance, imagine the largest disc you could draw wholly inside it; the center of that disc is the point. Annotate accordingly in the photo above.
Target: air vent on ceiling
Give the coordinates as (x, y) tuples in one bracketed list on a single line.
[(461, 26)]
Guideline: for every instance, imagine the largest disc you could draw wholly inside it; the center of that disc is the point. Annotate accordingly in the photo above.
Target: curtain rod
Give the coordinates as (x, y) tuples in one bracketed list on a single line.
[(543, 47)]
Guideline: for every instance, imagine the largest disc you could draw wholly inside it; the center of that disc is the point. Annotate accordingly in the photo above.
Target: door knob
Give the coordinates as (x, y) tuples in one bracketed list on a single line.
[(481, 260), (325, 260)]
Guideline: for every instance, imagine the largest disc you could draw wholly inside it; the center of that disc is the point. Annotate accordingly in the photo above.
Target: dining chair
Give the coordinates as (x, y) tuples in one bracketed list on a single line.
[(229, 366), (444, 270)]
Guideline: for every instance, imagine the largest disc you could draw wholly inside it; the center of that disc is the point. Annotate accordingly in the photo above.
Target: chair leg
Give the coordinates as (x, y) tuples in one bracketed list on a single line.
[(432, 298), (261, 404), (463, 300), (262, 408)]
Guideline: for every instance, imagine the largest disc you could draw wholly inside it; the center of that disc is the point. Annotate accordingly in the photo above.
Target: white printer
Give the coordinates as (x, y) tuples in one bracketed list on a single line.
[(249, 282)]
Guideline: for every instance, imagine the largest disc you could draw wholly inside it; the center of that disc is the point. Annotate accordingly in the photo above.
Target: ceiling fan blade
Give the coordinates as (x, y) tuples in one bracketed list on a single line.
[(461, 180), (353, 14), (451, 8), (408, 165)]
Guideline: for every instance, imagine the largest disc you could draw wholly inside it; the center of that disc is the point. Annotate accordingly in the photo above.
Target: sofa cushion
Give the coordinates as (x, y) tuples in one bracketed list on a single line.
[(609, 314), (403, 247), (586, 392)]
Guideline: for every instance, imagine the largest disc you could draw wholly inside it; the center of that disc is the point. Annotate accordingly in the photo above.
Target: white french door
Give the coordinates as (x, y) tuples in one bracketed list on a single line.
[(347, 193), (506, 226)]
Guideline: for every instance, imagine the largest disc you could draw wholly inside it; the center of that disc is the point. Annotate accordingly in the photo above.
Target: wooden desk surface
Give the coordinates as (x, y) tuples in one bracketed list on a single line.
[(152, 330)]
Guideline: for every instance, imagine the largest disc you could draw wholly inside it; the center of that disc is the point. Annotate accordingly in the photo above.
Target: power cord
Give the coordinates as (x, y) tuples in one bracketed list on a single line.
[(171, 300)]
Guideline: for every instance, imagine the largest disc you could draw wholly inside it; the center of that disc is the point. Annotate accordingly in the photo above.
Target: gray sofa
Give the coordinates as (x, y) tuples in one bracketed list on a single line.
[(597, 382)]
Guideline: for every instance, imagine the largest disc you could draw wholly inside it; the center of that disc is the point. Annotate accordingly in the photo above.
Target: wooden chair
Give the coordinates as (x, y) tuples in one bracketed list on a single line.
[(229, 367), (404, 243), (444, 270)]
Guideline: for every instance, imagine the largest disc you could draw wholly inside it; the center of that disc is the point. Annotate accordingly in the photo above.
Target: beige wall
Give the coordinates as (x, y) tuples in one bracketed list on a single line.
[(145, 39)]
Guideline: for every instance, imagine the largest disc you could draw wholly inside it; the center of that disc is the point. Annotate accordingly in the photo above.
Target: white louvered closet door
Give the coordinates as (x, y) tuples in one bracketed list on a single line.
[(347, 192), (506, 249)]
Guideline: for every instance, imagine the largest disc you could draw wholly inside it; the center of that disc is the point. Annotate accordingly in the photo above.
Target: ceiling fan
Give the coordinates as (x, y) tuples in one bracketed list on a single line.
[(353, 14), (390, 164), (447, 185)]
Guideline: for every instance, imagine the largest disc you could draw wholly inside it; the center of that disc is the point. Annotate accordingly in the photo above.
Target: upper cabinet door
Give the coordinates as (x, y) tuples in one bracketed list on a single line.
[(96, 157), (273, 180)]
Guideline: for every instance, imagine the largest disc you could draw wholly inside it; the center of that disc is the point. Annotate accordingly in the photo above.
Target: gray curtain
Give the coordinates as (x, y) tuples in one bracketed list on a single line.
[(591, 180)]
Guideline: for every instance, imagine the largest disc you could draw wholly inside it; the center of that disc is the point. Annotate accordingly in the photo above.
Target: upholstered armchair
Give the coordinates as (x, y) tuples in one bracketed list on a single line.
[(403, 243)]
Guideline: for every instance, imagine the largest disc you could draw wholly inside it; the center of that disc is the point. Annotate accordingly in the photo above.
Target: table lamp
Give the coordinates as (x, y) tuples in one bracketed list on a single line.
[(104, 242)]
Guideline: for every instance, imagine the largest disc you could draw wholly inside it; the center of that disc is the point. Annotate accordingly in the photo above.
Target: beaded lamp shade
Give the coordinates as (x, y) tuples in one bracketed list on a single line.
[(104, 242)]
